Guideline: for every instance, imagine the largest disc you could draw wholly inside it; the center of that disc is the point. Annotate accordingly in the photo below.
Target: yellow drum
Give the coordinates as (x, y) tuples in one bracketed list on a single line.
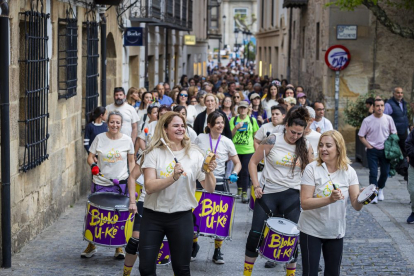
[(139, 185)]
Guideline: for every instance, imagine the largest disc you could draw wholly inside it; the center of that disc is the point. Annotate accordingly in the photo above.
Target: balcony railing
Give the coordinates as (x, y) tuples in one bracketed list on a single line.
[(171, 13)]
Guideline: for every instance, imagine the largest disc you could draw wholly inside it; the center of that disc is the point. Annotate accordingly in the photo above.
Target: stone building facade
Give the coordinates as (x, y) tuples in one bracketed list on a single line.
[(168, 56), (42, 193), (272, 39), (380, 60)]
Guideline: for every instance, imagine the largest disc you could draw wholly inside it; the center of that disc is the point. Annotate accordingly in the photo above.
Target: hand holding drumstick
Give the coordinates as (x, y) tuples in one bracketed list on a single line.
[(336, 194)]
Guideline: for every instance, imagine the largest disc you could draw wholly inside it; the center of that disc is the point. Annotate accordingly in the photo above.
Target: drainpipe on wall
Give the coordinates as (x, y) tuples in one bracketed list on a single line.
[(5, 135), (289, 45), (103, 59)]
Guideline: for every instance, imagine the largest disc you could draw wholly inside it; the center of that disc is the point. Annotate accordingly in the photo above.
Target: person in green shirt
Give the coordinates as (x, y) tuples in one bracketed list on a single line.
[(243, 129)]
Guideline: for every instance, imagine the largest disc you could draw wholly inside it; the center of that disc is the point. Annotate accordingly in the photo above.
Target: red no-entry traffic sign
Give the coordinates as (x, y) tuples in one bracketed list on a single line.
[(337, 57)]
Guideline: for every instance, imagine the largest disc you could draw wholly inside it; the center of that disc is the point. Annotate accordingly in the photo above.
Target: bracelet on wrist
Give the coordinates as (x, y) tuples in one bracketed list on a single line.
[(174, 178), (256, 187)]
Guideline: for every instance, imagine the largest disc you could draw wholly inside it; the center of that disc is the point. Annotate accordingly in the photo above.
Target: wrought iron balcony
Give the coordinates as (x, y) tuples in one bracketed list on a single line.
[(166, 13), (294, 3)]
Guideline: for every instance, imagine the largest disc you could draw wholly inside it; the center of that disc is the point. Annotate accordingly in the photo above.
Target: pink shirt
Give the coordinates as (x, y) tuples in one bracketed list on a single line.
[(376, 130)]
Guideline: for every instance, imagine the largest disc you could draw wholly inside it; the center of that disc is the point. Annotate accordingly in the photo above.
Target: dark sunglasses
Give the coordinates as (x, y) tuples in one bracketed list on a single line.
[(236, 97), (183, 95)]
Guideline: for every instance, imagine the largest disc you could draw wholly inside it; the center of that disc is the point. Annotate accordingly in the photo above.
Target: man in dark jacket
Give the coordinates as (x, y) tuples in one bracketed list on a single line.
[(409, 147), (396, 107), (200, 122)]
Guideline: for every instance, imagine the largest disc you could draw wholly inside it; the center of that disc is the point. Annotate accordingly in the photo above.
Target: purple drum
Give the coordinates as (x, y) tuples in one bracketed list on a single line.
[(214, 214), (107, 220), (280, 239), (164, 256)]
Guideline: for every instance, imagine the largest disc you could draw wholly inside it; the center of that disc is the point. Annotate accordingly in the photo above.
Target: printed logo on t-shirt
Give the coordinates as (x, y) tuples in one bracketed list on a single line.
[(325, 191), (113, 156), (287, 160), (169, 170), (242, 138)]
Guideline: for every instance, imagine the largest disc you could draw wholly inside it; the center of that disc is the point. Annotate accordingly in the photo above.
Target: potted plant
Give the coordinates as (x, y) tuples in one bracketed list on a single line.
[(355, 113)]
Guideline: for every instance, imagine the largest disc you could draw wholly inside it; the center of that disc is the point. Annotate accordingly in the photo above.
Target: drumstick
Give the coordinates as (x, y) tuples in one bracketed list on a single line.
[(163, 141)]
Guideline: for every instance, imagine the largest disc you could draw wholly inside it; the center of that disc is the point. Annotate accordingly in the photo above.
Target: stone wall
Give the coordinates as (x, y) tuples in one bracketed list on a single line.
[(380, 60), (40, 195)]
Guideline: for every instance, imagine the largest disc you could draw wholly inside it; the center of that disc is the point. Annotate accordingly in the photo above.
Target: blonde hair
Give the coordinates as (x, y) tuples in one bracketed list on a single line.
[(342, 160), (210, 95), (131, 91), (192, 91), (159, 133)]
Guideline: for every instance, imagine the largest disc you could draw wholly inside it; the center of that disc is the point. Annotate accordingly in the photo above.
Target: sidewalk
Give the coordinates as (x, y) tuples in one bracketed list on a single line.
[(378, 242)]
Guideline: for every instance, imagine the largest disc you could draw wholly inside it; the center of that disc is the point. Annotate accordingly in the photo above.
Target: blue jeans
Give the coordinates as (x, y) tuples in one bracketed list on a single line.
[(376, 157)]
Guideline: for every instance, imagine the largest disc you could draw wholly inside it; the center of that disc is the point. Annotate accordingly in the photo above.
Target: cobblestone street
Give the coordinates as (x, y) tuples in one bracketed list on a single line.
[(378, 242)]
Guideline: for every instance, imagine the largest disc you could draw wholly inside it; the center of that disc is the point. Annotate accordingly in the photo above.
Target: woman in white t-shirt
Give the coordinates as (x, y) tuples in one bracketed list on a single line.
[(224, 149), (190, 131), (170, 198), (115, 153), (322, 222), (286, 156), (183, 100), (145, 136), (271, 99)]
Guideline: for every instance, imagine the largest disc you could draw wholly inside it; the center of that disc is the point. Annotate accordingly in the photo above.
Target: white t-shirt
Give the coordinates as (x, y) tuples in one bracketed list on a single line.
[(225, 150), (324, 124), (277, 173), (261, 133), (129, 116), (267, 105), (191, 133), (112, 157), (199, 108), (326, 222), (151, 129), (141, 114), (191, 114), (179, 196), (313, 138)]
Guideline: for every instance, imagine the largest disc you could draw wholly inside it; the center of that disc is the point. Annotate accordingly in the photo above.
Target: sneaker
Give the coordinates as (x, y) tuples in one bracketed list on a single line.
[(89, 251), (119, 253), (217, 257), (381, 194), (411, 218), (245, 199), (375, 200), (270, 264), (196, 247), (239, 192)]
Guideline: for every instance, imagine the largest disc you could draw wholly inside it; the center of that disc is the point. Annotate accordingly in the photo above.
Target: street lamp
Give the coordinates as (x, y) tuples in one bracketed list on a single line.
[(236, 34), (248, 35), (224, 31), (244, 45)]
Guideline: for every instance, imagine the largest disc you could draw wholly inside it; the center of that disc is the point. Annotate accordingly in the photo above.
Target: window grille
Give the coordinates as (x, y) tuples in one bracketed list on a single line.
[(34, 62), (92, 56), (67, 56)]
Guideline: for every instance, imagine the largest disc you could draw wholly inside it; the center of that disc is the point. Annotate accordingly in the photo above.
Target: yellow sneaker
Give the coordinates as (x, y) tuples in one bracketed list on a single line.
[(89, 251), (119, 253)]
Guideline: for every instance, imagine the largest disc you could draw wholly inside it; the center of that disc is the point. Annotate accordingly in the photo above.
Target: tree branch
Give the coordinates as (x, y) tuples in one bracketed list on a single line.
[(383, 18)]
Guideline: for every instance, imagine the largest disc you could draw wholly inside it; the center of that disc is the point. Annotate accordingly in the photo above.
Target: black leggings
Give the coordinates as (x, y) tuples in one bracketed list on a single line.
[(278, 203), (138, 216), (244, 176), (310, 247), (179, 229)]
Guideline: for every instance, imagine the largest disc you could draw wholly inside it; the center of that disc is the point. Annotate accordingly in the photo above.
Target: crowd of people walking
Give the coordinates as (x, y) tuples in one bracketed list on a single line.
[(262, 135)]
